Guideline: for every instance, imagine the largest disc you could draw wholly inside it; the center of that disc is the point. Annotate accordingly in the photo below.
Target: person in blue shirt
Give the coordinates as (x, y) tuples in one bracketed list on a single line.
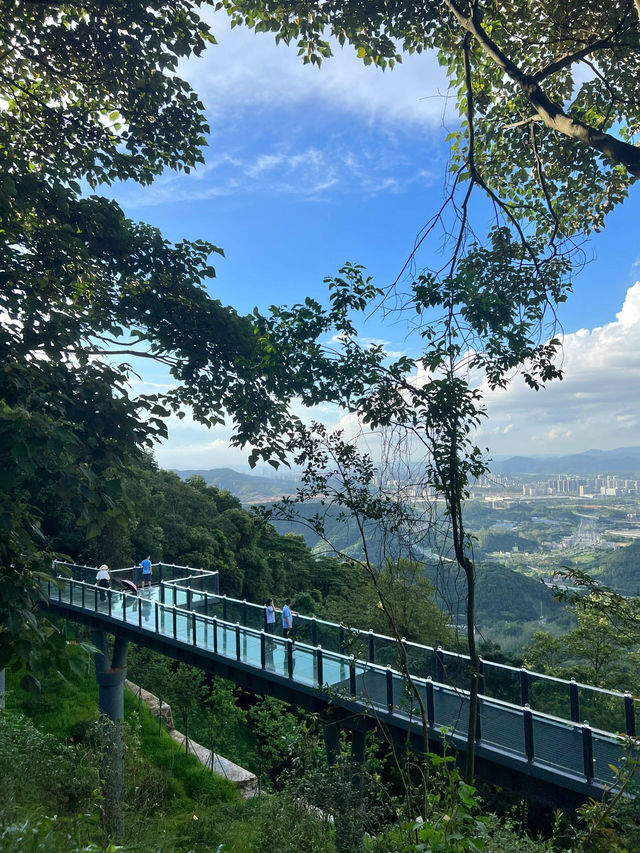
[(270, 616), (146, 572), (287, 620)]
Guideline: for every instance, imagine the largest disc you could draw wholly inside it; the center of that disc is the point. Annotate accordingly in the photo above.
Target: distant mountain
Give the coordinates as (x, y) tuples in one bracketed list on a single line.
[(624, 462), (249, 489)]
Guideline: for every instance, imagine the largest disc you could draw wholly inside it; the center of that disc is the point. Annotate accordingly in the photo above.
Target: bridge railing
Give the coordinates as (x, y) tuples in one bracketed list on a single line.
[(511, 729), (163, 573), (566, 699)]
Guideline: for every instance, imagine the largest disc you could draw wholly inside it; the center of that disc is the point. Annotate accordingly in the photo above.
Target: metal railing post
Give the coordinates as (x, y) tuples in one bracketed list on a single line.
[(157, 618), (193, 627), (431, 715), (314, 632), (352, 676), (629, 715), (372, 648), (263, 650), (237, 641), (587, 751), (244, 612), (224, 608), (389, 676), (480, 678), (319, 666), (215, 635), (290, 658), (175, 623), (139, 613), (527, 720), (524, 686)]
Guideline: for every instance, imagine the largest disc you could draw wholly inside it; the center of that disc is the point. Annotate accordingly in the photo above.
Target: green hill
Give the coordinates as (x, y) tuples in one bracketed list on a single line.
[(248, 488)]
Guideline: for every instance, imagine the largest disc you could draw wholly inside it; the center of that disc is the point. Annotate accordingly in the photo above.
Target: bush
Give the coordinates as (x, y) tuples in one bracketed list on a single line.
[(60, 777)]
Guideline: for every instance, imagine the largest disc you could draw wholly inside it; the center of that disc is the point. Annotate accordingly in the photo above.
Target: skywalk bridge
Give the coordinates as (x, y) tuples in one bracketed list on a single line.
[(533, 730)]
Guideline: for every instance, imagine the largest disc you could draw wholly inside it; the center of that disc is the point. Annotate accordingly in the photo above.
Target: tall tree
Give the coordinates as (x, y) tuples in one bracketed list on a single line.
[(89, 95)]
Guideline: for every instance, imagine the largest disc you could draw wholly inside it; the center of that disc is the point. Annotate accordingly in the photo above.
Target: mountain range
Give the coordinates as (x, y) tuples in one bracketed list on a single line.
[(254, 488), (249, 488), (623, 462)]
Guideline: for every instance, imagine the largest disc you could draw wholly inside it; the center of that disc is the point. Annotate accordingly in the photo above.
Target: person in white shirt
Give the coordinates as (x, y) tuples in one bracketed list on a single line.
[(103, 579)]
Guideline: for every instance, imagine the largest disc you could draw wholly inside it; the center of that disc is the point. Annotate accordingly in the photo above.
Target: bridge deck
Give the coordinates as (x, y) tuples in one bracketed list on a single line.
[(549, 749)]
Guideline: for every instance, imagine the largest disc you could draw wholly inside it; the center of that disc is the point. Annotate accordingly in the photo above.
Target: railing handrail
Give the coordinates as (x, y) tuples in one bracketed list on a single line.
[(360, 632), (462, 693)]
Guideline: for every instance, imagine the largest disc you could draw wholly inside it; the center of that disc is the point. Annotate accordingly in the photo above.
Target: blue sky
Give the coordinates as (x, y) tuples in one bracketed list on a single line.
[(309, 168)]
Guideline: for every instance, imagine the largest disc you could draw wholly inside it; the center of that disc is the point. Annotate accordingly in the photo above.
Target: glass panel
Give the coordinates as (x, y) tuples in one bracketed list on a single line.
[(336, 672), (328, 636), (303, 629), (165, 615), (456, 669), (304, 664), (550, 697), (226, 640), (421, 660), (385, 651), (501, 726), (606, 752), (250, 647), (601, 710), (558, 744), (451, 709), (183, 627), (502, 683)]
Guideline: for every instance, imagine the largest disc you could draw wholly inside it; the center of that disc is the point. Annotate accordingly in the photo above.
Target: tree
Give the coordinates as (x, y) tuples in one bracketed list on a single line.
[(89, 93), (551, 153)]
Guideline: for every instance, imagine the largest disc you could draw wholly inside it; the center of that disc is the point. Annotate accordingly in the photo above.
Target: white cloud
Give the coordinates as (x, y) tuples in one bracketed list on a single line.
[(306, 173), (248, 70), (596, 405)]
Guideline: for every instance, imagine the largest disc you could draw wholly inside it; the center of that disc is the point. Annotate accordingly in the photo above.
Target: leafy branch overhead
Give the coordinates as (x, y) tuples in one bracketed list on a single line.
[(547, 92)]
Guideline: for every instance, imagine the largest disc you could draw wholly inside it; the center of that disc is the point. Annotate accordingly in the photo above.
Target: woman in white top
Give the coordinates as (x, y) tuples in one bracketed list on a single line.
[(103, 580)]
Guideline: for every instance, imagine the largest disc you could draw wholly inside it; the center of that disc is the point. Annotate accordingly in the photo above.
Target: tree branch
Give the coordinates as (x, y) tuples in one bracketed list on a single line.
[(615, 150)]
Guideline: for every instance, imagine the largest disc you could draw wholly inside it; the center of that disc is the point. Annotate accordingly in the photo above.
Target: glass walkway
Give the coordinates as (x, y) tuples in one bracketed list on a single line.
[(527, 721)]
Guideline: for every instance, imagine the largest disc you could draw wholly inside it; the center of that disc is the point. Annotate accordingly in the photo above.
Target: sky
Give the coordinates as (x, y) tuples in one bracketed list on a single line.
[(308, 168)]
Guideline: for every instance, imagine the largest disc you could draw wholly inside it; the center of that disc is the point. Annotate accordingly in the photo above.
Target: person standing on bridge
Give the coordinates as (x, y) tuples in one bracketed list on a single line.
[(287, 621), (146, 572), (103, 580), (270, 616)]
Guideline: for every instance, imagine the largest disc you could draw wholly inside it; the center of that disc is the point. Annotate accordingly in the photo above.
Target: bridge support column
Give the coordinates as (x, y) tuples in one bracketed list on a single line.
[(331, 733), (110, 675), (358, 743)]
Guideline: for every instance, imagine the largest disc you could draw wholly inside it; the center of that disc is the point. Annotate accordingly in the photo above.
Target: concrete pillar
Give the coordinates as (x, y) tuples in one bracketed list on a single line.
[(331, 733), (110, 675), (358, 743)]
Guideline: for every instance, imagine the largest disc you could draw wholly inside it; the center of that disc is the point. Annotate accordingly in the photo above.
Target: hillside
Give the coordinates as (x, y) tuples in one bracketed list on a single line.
[(248, 488)]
